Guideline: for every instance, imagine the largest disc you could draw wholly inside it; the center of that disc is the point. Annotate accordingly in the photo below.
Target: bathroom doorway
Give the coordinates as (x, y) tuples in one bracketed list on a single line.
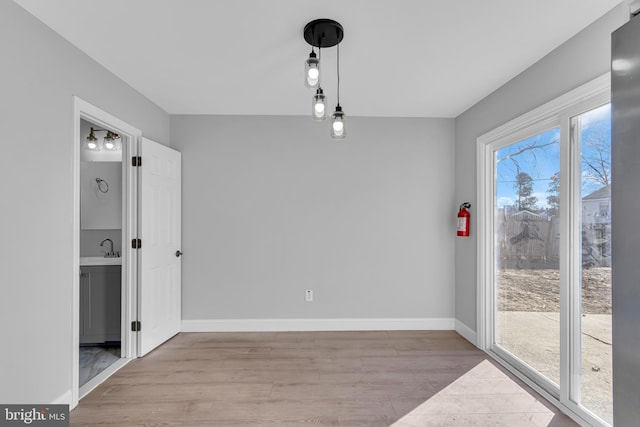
[(101, 215), (130, 204), (105, 220)]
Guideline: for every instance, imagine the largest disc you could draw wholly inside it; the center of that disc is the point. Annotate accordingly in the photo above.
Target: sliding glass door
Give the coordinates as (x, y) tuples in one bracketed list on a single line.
[(545, 253)]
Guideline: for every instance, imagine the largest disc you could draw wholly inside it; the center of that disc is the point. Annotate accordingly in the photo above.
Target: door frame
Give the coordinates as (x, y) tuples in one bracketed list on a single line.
[(84, 110)]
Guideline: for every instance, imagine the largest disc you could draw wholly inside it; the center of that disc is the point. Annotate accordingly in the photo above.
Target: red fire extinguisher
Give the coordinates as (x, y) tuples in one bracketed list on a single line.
[(464, 218)]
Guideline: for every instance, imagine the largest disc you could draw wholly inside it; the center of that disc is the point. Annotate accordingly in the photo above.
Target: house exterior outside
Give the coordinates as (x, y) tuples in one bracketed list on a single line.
[(596, 228)]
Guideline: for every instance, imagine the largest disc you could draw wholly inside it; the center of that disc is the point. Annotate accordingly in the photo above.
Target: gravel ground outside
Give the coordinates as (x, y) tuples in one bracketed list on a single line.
[(539, 290)]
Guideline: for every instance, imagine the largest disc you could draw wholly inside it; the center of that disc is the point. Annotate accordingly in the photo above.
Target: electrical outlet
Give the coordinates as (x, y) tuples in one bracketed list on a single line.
[(308, 295)]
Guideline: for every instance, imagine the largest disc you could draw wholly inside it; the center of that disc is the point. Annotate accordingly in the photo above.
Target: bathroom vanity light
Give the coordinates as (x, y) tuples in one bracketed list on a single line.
[(111, 142)]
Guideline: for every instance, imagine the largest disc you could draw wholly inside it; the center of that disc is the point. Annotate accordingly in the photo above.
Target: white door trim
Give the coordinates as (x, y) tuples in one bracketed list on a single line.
[(132, 136)]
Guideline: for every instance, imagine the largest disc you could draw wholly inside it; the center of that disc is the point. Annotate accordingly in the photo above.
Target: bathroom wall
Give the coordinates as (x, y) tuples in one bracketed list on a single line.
[(100, 202), (90, 242), (100, 212)]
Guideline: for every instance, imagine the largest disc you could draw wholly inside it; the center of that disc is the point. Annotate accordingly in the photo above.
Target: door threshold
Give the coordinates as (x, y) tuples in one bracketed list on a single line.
[(94, 382)]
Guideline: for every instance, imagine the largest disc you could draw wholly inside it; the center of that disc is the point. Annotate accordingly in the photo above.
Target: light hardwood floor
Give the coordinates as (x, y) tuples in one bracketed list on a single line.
[(399, 379)]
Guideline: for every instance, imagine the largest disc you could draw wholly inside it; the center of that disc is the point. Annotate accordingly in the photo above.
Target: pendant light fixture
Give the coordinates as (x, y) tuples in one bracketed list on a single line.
[(338, 130), (312, 71), (319, 100), (318, 106), (323, 33), (337, 124)]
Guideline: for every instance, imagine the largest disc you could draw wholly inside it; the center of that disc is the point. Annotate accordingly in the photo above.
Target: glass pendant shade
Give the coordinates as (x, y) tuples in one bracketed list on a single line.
[(338, 130), (91, 143), (92, 146), (319, 106), (110, 142), (312, 71)]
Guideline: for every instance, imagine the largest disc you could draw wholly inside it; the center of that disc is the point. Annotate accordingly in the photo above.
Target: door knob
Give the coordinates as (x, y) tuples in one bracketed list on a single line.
[(178, 253)]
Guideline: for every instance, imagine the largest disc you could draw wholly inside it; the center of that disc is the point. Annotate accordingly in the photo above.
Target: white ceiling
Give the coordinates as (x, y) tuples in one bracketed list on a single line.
[(407, 58)]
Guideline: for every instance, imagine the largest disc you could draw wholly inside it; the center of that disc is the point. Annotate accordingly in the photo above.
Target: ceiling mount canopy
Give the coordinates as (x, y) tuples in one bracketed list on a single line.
[(323, 33)]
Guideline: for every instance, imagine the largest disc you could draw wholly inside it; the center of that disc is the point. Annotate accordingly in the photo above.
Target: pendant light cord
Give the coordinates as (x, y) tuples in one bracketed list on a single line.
[(338, 72), (319, 64)]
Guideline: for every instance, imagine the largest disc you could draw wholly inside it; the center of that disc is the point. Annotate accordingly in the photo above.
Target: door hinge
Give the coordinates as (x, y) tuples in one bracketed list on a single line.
[(136, 243), (136, 326), (136, 161)]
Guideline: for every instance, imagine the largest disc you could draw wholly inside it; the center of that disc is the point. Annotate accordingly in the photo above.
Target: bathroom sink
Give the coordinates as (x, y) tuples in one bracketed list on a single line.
[(98, 260)]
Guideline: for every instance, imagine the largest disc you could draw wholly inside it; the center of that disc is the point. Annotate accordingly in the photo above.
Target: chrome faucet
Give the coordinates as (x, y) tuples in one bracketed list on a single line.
[(109, 254)]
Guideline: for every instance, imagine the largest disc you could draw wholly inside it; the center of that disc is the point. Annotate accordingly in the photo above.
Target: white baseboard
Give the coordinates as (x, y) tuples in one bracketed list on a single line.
[(63, 399), (304, 325), (466, 332)]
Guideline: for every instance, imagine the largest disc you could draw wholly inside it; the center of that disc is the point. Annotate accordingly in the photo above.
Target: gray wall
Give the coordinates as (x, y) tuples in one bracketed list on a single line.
[(40, 73), (272, 206), (581, 59)]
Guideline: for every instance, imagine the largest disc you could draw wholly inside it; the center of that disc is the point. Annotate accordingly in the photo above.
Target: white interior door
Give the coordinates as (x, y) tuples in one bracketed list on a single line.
[(160, 234)]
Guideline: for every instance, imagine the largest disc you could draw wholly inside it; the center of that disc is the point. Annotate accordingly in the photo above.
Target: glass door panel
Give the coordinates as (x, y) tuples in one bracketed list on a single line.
[(594, 141), (527, 267)]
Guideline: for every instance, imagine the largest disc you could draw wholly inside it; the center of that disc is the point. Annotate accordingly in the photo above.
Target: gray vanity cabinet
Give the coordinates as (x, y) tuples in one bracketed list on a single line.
[(100, 304)]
